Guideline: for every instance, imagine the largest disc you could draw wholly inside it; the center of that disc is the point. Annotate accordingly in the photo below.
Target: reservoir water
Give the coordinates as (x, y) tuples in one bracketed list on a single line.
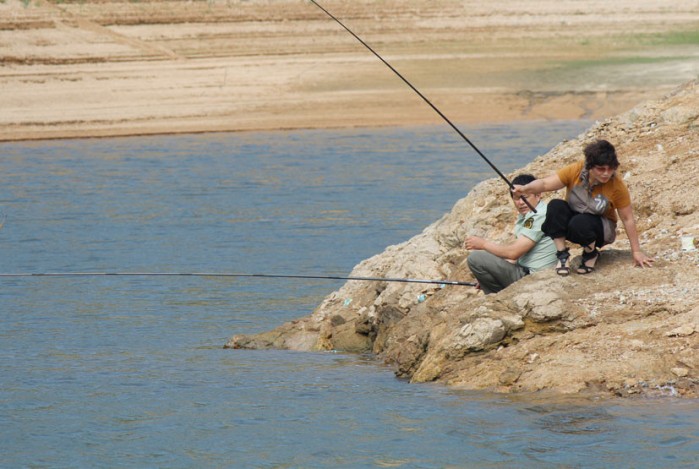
[(130, 371)]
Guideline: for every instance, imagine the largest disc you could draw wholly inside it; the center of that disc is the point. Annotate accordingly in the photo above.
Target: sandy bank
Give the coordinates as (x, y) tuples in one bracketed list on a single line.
[(79, 69)]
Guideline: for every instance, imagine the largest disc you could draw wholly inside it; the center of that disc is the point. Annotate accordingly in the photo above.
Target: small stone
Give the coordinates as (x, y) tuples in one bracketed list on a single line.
[(509, 377), (337, 320), (680, 372), (636, 344), (682, 331)]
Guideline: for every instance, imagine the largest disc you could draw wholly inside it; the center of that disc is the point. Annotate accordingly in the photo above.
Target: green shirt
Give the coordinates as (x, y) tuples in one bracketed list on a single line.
[(543, 254)]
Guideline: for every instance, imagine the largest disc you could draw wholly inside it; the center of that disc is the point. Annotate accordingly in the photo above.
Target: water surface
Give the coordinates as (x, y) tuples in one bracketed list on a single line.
[(130, 371)]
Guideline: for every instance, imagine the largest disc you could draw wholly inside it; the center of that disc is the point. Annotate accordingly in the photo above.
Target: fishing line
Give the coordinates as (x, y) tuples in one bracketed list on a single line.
[(456, 129), (224, 274), (277, 276)]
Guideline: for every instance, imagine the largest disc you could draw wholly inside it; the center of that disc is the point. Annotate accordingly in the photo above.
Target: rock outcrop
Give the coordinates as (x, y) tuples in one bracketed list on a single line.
[(622, 330)]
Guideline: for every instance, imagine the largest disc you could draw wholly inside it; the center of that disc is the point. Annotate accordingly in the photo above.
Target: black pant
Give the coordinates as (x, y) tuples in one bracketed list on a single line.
[(580, 228)]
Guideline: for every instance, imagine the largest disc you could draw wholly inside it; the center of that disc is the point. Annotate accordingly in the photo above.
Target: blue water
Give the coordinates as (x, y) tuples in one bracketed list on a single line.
[(130, 371)]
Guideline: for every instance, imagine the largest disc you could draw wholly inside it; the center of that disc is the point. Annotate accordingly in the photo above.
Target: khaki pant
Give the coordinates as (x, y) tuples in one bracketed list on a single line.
[(492, 272)]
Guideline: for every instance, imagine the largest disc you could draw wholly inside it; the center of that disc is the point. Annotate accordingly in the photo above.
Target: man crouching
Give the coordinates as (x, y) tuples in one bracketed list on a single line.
[(497, 266)]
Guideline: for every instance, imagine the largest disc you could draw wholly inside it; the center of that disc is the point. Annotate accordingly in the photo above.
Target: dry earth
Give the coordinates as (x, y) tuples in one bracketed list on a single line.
[(95, 68), (621, 330)]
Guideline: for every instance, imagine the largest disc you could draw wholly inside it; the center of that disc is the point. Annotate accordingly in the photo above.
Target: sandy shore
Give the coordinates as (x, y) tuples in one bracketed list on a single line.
[(84, 69)]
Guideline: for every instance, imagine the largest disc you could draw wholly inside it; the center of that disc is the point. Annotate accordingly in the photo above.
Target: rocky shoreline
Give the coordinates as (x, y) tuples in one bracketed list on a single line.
[(623, 331)]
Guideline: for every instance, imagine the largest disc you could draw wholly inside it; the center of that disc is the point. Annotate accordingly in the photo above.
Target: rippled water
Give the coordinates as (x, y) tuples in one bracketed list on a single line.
[(130, 371)]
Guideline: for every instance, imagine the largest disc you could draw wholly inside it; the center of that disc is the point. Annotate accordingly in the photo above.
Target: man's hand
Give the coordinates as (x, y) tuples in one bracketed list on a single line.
[(474, 243)]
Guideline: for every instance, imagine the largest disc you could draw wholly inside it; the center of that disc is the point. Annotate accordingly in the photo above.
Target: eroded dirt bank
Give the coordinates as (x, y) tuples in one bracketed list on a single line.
[(98, 68), (622, 330)]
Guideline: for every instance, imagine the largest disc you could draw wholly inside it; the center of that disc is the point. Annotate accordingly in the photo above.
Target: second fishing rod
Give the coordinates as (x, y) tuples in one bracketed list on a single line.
[(424, 98)]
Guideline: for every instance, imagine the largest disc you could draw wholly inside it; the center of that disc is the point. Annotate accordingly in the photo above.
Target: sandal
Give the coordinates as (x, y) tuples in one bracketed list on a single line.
[(563, 270), (586, 257)]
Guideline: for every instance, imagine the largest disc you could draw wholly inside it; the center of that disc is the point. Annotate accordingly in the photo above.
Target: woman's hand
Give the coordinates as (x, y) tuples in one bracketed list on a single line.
[(640, 259), (517, 191)]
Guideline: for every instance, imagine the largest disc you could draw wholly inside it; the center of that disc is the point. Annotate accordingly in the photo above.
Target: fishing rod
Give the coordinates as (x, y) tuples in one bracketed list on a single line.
[(224, 274), (424, 98)]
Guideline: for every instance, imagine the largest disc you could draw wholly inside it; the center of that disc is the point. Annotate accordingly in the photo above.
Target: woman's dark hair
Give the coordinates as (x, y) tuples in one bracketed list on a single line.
[(600, 153)]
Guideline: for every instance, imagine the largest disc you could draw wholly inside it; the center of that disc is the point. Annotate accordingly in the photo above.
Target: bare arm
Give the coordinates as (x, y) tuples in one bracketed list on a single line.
[(547, 184), (627, 218), (512, 251)]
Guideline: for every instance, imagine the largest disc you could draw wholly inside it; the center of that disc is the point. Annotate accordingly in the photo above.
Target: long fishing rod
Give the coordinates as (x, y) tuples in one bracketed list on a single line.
[(456, 129), (224, 274)]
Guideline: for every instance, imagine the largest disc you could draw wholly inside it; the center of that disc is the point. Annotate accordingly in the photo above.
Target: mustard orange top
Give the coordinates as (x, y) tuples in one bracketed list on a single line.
[(614, 190)]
